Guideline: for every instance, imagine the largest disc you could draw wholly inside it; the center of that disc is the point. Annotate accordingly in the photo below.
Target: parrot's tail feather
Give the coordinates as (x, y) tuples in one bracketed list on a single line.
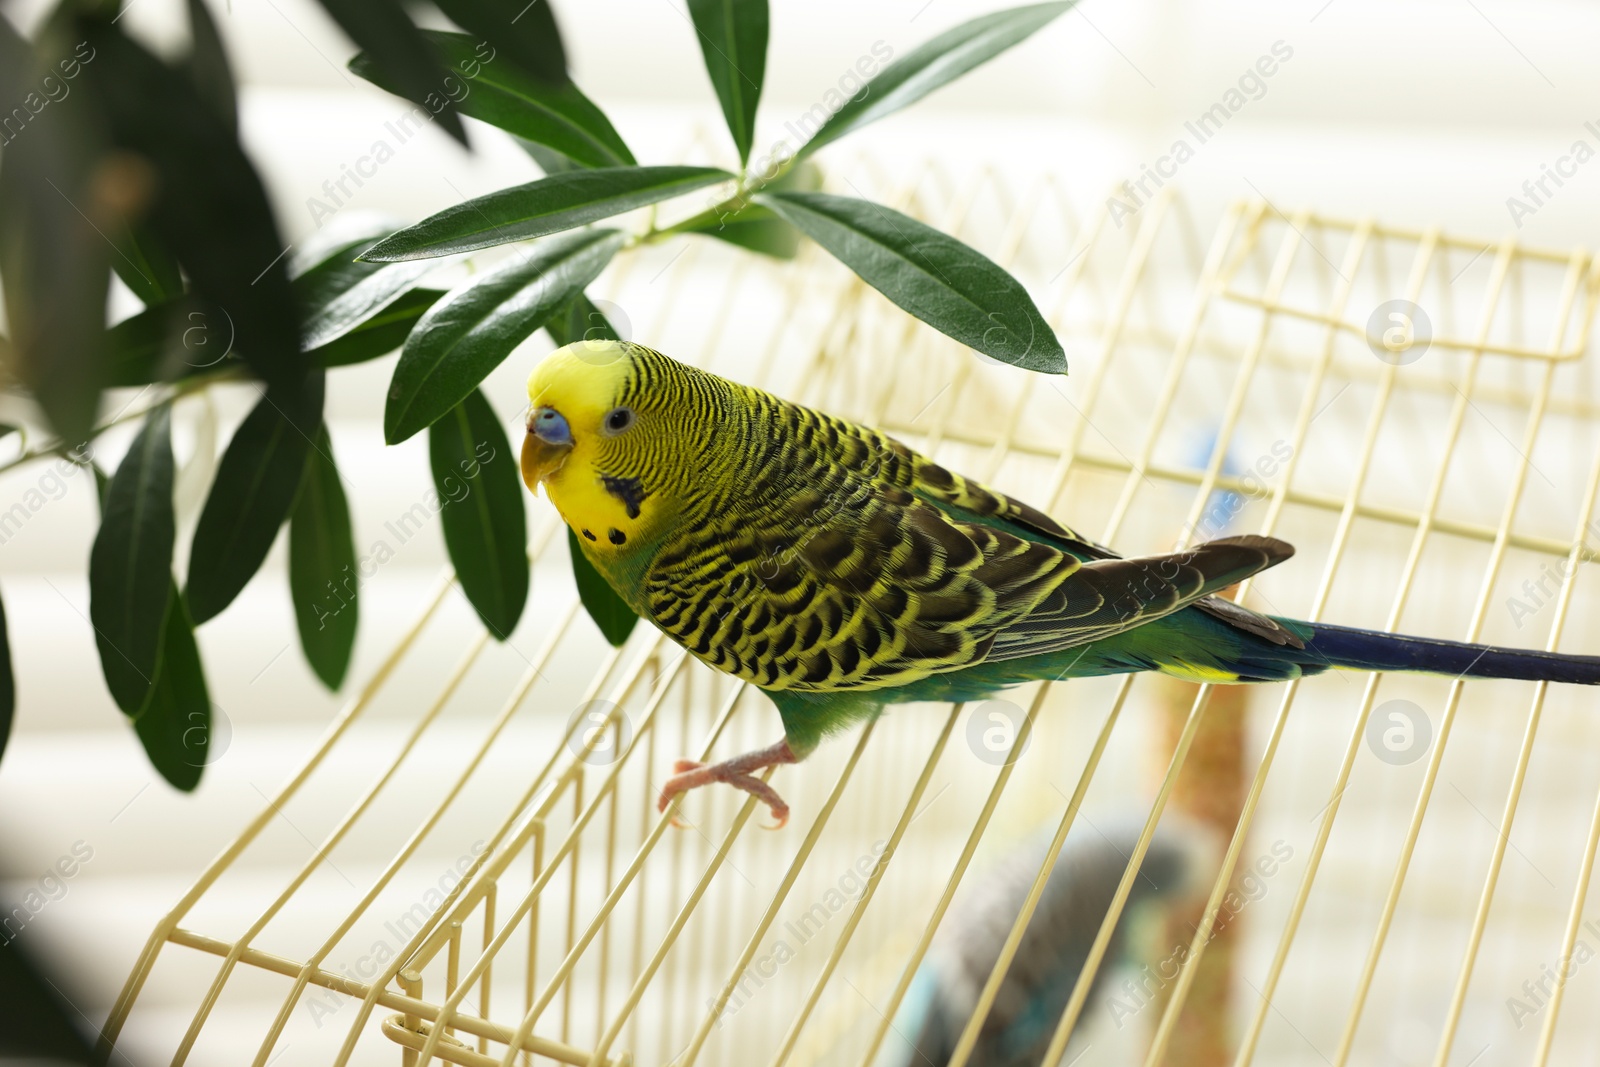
[(1373, 650)]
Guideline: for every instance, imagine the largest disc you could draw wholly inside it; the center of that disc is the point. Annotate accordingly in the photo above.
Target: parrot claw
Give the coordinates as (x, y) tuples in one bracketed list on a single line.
[(691, 774), (683, 766)]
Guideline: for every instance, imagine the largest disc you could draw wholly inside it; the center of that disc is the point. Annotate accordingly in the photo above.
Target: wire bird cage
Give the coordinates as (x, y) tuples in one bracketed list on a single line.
[(528, 904)]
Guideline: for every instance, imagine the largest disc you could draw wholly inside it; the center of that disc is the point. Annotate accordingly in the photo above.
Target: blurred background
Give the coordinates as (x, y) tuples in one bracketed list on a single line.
[(1424, 114)]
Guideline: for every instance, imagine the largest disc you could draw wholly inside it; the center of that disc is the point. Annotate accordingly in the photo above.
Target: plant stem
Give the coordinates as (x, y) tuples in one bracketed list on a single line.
[(180, 389), (748, 185)]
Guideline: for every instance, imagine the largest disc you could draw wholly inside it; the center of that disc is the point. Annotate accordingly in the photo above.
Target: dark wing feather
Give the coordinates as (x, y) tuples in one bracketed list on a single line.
[(1251, 622), (867, 590), (965, 498), (870, 587), (1108, 597)]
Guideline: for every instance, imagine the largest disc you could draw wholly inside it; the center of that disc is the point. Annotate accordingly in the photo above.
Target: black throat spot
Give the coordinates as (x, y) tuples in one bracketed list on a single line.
[(627, 490)]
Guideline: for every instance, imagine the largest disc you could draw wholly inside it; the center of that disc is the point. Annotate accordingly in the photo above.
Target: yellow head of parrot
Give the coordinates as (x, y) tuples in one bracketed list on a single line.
[(623, 439), (572, 406)]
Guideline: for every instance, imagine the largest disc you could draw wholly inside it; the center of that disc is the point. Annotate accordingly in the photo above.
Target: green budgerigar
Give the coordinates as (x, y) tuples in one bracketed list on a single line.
[(839, 571)]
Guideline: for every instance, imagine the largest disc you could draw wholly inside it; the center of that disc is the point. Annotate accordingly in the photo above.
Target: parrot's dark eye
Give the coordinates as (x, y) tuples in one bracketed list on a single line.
[(619, 419)]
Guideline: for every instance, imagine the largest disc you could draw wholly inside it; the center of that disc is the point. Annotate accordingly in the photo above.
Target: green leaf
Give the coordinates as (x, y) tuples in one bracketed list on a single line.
[(139, 348), (549, 205), (733, 40), (102, 484), (465, 335), (476, 475), (757, 228), (548, 159), (208, 64), (323, 580), (53, 260), (8, 684), (526, 32), (18, 54), (130, 565), (935, 277), (167, 343), (206, 203), (175, 724), (146, 267), (367, 288), (608, 610), (252, 493), (580, 321), (410, 64), (336, 243), (934, 64), (554, 114), (333, 271), (379, 335)]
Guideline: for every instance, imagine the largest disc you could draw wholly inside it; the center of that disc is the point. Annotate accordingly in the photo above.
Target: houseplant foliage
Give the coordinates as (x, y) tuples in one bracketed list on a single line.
[(138, 171)]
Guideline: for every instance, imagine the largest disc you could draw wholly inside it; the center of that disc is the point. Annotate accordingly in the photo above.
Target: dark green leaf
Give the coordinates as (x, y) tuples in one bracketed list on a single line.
[(477, 478), (324, 268), (733, 39), (60, 23), (254, 489), (933, 64), (208, 64), (53, 260), (323, 580), (333, 275), (526, 32), (465, 335), (549, 205), (554, 114), (337, 242), (935, 277), (757, 228), (168, 343), (18, 54), (206, 203), (130, 566), (411, 66), (369, 288), (580, 321), (8, 684), (549, 160), (175, 724), (6, 430), (608, 610), (379, 335), (139, 347), (145, 267)]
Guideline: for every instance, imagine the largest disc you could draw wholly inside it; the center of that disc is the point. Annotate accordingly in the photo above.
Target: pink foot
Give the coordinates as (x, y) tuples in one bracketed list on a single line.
[(737, 772)]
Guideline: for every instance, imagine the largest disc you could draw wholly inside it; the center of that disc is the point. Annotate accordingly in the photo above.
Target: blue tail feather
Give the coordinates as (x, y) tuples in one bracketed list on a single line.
[(1374, 650)]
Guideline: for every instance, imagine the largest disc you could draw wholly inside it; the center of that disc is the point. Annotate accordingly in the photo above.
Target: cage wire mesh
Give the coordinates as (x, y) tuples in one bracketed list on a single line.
[(533, 907)]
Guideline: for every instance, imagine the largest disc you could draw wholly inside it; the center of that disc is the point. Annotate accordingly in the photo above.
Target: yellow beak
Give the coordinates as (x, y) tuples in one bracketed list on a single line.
[(540, 459)]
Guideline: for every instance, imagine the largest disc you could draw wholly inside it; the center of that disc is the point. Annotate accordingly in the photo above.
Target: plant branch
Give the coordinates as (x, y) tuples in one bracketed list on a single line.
[(748, 185), (180, 389)]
